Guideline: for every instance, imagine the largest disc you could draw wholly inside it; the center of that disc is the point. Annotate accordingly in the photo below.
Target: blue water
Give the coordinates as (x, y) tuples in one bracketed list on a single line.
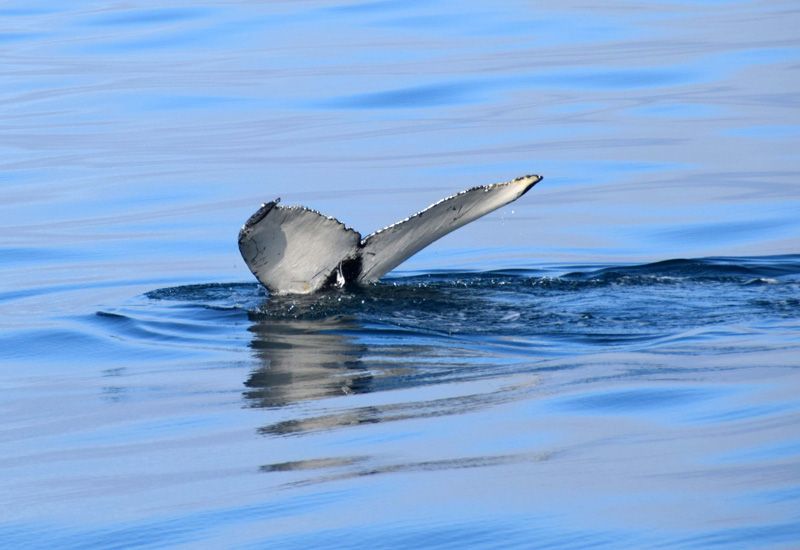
[(612, 361)]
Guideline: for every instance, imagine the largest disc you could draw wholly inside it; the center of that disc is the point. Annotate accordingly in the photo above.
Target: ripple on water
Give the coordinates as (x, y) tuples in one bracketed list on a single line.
[(564, 377), (445, 327)]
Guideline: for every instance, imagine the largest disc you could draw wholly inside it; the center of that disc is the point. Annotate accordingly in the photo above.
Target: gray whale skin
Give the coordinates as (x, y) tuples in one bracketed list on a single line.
[(296, 250)]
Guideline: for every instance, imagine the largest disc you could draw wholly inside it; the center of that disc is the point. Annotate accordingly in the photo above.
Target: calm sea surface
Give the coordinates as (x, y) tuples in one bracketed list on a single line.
[(613, 361)]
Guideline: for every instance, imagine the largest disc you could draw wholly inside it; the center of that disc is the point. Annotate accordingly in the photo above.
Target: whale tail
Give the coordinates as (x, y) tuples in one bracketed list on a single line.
[(295, 250)]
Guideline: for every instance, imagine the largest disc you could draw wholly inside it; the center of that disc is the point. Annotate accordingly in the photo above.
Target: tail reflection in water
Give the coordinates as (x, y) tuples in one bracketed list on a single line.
[(337, 356), (304, 360), (377, 348)]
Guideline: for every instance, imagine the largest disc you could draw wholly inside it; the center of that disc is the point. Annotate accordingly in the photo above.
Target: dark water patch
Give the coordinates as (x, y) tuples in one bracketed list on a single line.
[(607, 306), (786, 306), (623, 402), (704, 269), (435, 95), (210, 294)]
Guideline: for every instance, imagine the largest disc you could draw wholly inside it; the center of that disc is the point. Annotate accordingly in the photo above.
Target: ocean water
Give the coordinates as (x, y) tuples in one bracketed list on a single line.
[(613, 361)]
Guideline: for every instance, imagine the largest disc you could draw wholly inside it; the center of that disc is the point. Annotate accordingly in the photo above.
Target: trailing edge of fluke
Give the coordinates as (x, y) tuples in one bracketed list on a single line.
[(295, 250)]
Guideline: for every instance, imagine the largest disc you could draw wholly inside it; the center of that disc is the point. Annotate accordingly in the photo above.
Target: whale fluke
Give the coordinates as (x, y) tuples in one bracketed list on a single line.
[(295, 250)]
